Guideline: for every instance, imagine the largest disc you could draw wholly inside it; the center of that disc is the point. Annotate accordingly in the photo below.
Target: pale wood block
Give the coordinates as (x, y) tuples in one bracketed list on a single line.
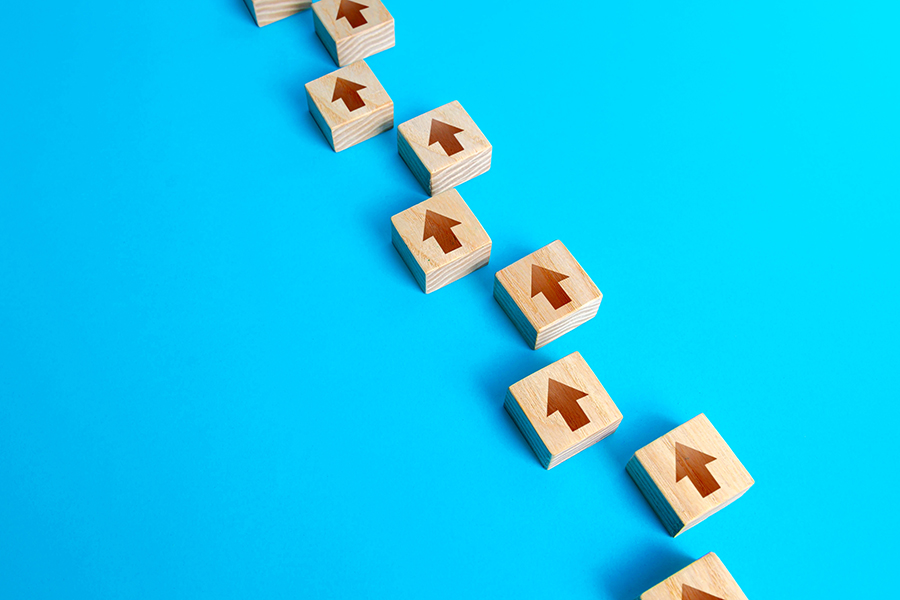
[(562, 409), (689, 474), (349, 105), (444, 148), (547, 294), (269, 11), (440, 240), (704, 579), (351, 30)]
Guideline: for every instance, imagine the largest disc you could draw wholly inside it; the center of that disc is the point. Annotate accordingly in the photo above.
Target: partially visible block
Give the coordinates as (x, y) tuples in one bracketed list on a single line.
[(688, 474), (349, 105), (562, 409), (705, 579), (546, 294), (444, 148), (269, 11), (351, 30), (440, 240)]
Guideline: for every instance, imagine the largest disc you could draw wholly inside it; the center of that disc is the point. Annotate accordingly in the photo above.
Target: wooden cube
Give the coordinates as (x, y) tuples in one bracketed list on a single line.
[(444, 148), (547, 294), (562, 409), (440, 240), (688, 474), (269, 11), (351, 30), (349, 105), (705, 579)]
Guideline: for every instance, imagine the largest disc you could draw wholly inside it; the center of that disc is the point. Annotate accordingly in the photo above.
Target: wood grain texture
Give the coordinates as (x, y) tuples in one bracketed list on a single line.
[(269, 11), (677, 500), (549, 433), (428, 159), (341, 126), (708, 576), (535, 316), (432, 267), (347, 44)]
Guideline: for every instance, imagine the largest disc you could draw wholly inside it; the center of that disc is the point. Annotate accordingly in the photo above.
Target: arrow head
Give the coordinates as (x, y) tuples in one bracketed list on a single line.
[(440, 228), (564, 399), (445, 135), (352, 11), (692, 463), (544, 281), (690, 593), (348, 91)]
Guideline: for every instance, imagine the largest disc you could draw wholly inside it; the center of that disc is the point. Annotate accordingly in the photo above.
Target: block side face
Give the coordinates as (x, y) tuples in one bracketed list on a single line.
[(512, 407), (366, 127), (363, 45), (707, 575), (408, 258), (413, 161), (349, 94), (452, 146), (458, 269), (324, 36), (266, 12), (566, 324), (567, 405), (561, 287), (711, 475), (461, 172), (320, 121), (654, 497), (514, 313)]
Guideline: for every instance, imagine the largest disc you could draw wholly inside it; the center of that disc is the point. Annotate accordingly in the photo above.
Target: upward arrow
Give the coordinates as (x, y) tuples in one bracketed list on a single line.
[(546, 282), (692, 463), (564, 399), (440, 228), (349, 93), (689, 593), (445, 135), (352, 11)]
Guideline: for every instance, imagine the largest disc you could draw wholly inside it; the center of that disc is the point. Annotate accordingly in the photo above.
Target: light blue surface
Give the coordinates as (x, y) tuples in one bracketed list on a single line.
[(219, 380)]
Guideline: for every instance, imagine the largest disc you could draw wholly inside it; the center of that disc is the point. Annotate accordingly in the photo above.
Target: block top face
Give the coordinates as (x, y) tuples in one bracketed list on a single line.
[(705, 579), (440, 230), (694, 469), (347, 94), (548, 285), (343, 19), (565, 403), (444, 136)]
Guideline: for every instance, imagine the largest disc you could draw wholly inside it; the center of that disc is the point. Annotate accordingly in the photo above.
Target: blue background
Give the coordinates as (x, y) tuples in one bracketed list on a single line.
[(219, 380)]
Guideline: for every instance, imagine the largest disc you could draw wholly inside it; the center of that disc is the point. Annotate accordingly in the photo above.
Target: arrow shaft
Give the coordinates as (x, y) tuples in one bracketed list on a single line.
[(574, 415), (352, 100), (356, 19), (447, 240), (556, 296), (450, 144), (702, 479)]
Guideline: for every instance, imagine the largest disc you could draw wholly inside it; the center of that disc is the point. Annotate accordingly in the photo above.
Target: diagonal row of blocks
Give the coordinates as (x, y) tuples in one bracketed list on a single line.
[(686, 475)]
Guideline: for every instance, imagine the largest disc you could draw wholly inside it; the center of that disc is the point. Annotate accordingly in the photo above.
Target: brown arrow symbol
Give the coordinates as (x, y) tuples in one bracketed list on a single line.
[(689, 593), (440, 228), (564, 399), (349, 93), (546, 282), (692, 463), (352, 11), (445, 135)]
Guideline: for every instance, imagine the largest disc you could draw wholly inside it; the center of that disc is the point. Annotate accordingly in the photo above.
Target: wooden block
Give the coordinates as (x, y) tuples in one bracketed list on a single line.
[(688, 474), (352, 31), (269, 11), (349, 105), (705, 579), (562, 409), (547, 294), (444, 148), (440, 240)]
